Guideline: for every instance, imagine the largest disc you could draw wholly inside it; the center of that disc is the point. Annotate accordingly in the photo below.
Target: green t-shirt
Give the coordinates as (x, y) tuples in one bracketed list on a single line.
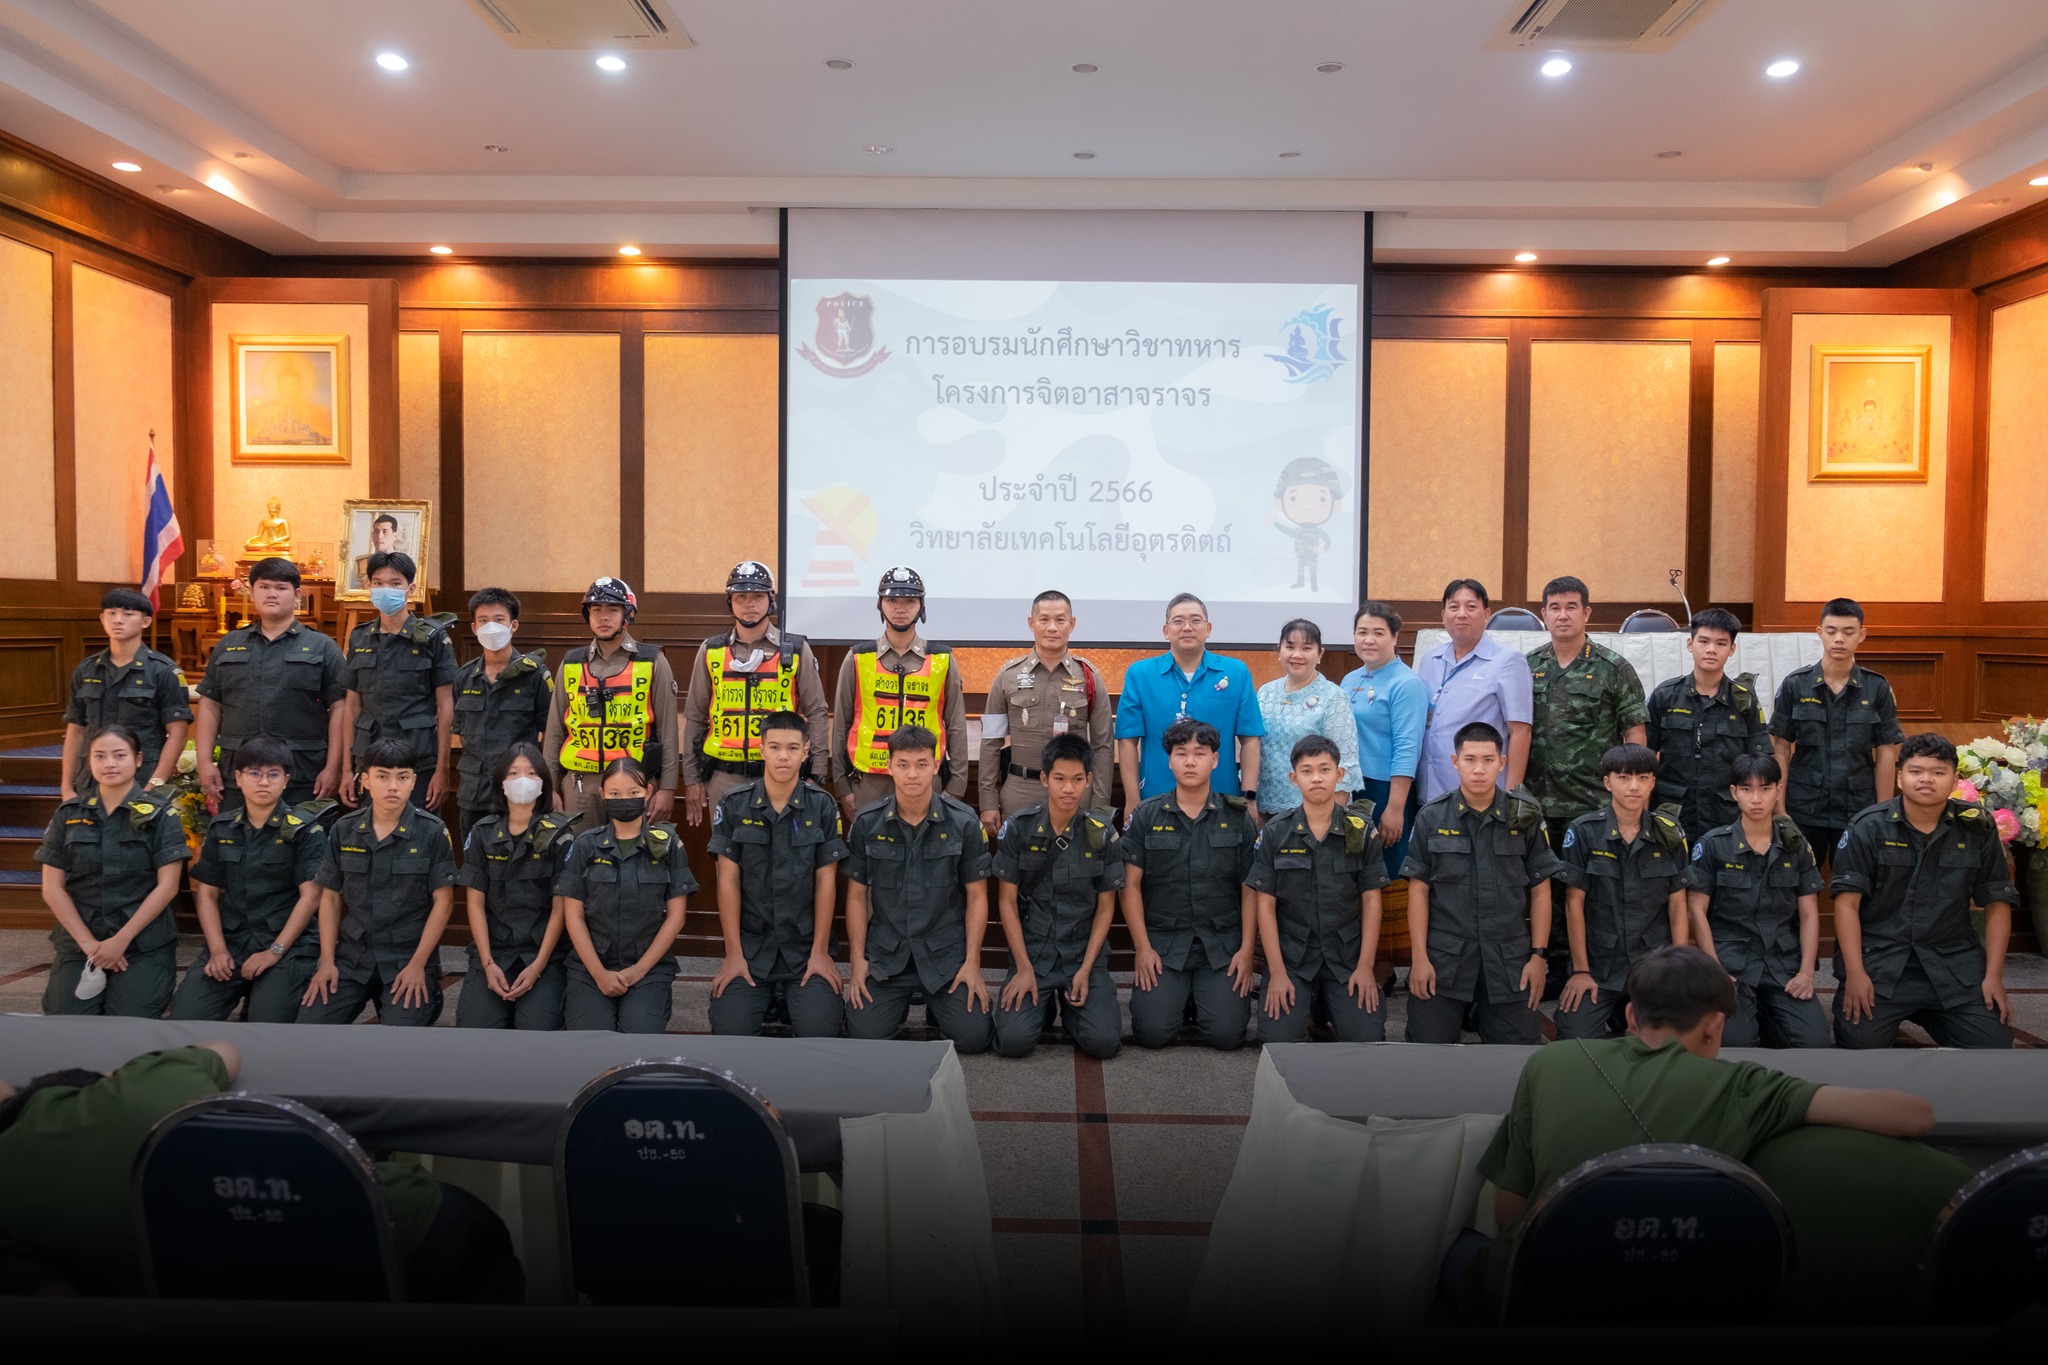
[(66, 1162)]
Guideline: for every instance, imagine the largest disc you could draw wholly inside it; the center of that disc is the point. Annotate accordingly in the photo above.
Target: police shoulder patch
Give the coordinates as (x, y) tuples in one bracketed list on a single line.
[(1699, 851), (1571, 836), (1843, 842)]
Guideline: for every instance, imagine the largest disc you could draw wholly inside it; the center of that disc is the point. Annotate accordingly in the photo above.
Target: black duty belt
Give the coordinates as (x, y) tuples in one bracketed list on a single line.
[(1028, 774), (737, 767)]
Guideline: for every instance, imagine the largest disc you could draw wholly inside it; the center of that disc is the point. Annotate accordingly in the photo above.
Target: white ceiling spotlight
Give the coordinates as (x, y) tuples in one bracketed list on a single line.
[(2039, 180), (629, 251), (1782, 68), (876, 149), (611, 63), (127, 166), (1524, 257), (442, 250), (1717, 260), (391, 61), (1555, 67)]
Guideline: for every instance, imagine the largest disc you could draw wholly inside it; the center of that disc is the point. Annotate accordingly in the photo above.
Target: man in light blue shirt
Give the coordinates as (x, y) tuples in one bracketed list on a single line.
[(1391, 707), (1472, 677), (1189, 681)]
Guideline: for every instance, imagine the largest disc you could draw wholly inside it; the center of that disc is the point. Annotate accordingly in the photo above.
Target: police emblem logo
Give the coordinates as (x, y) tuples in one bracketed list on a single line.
[(845, 334), (1699, 851), (1843, 842), (1571, 836), (718, 815)]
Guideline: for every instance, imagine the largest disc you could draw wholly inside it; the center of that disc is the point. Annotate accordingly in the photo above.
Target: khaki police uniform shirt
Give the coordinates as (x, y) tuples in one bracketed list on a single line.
[(810, 704), (661, 696), (846, 706), (1032, 703)]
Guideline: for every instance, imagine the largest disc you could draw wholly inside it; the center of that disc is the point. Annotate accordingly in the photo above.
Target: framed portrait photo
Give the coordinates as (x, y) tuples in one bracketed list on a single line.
[(371, 525), (1869, 415), (289, 399)]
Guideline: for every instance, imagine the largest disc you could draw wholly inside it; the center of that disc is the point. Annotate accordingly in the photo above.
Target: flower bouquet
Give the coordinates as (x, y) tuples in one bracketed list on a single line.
[(2007, 776), (187, 799)]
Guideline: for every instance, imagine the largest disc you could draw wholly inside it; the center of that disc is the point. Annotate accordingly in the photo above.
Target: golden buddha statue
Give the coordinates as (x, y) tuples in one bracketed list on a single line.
[(273, 534)]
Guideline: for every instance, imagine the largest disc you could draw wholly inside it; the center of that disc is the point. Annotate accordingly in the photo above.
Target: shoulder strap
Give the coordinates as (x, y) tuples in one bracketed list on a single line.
[(1088, 681), (549, 828), (1789, 833), (658, 840), (1665, 827), (1237, 802), (306, 815), (1524, 811), (145, 808), (1587, 1053), (1354, 833), (1099, 828), (863, 647)]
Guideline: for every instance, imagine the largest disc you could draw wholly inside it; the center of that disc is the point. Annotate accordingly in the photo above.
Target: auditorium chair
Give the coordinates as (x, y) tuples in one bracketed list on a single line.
[(1514, 618), (676, 1184), (1660, 1235), (253, 1197), (1648, 621), (1989, 1257)]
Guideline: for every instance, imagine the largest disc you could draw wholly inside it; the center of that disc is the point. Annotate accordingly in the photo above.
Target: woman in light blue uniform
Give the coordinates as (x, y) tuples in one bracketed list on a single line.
[(1391, 707), (1299, 703)]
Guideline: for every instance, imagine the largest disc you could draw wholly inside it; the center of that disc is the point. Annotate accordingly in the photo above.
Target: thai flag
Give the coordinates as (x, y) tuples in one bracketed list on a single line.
[(162, 541)]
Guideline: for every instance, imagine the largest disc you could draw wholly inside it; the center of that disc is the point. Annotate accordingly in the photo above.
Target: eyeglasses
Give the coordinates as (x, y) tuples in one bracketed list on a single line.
[(1183, 622), (264, 774)]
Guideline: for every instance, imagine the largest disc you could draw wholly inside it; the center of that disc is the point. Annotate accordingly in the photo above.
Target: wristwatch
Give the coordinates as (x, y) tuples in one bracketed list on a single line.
[(278, 949)]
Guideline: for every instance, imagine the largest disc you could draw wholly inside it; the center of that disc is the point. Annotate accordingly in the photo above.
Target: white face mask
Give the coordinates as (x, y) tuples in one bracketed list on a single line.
[(494, 635), (521, 791)]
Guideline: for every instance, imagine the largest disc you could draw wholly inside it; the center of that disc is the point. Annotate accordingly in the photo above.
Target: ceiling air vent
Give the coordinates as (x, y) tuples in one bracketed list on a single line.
[(1599, 25), (623, 24)]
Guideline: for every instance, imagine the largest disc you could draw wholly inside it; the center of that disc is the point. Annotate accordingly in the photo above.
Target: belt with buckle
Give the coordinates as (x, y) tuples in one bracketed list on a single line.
[(1029, 774)]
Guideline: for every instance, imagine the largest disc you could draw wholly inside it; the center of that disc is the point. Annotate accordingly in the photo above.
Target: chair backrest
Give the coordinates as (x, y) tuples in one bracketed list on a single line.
[(253, 1197), (1661, 1234), (1648, 621), (1514, 618), (1989, 1257), (675, 1184)]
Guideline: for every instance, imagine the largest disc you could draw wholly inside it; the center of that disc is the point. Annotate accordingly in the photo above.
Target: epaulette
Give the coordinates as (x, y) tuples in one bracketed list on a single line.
[(1524, 811), (550, 827), (1237, 802), (1969, 811), (1665, 828), (1364, 807), (304, 816), (1789, 833), (1354, 833), (422, 629), (1744, 682), (660, 839), (1100, 828), (145, 808)]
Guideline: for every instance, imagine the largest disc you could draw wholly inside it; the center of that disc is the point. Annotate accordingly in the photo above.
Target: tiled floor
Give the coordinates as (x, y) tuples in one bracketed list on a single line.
[(1103, 1176)]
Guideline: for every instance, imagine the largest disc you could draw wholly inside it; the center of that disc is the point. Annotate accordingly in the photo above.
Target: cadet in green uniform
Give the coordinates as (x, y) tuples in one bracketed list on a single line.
[(130, 684), (917, 904), (277, 678), (1478, 870), (777, 845), (1699, 722), (1662, 1083), (624, 893), (401, 680), (1835, 728), (1058, 870), (501, 699), (111, 860), (1316, 877), (1624, 867), (1906, 873), (1193, 922), (1045, 691), (256, 884), (518, 959), (387, 889), (1754, 893)]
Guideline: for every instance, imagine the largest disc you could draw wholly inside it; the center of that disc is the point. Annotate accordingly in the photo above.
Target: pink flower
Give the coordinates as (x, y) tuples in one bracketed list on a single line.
[(2008, 825), (1966, 790)]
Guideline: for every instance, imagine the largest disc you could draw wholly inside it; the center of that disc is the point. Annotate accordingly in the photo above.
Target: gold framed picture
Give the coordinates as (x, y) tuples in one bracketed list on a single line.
[(371, 525), (288, 401), (1869, 414)]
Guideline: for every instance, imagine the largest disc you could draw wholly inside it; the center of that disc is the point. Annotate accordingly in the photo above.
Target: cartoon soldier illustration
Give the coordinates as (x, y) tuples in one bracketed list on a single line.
[(1306, 496)]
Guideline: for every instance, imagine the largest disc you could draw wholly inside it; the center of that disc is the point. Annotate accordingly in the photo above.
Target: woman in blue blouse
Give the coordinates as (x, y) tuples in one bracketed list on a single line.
[(1299, 703), (1391, 707)]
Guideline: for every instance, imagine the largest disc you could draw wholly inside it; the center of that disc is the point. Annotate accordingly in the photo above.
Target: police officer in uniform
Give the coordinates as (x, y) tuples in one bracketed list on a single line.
[(279, 678), (1479, 871), (897, 679), (1699, 722), (614, 698), (130, 684), (401, 680), (1625, 867), (1906, 873), (1043, 692), (1059, 870), (111, 858), (256, 882), (738, 677), (1192, 920), (502, 698)]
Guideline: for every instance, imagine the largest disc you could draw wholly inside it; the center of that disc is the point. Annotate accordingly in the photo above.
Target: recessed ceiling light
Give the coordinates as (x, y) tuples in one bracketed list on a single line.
[(220, 184), (1286, 155), (1084, 68), (442, 250), (1717, 260), (2039, 180), (838, 64), (1525, 257), (496, 147), (1782, 68), (611, 63), (128, 166), (1666, 156), (876, 148), (170, 189), (1084, 156), (1924, 166), (391, 61), (1996, 203), (1556, 66), (1330, 68), (629, 251), (243, 156)]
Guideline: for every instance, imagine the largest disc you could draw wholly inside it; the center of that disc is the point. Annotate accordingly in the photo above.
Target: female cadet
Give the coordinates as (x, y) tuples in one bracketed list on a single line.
[(517, 960), (111, 859), (624, 891)]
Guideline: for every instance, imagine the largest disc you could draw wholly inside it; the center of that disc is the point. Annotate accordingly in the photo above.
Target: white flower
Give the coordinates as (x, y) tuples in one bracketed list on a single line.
[(188, 761)]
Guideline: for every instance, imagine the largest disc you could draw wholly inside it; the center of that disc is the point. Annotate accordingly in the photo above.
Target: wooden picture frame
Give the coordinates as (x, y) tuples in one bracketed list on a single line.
[(360, 539), (288, 399), (1869, 415)]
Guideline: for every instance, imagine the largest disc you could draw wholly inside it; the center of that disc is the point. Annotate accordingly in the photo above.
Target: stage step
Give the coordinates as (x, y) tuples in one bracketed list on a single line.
[(18, 847), (37, 765), (28, 803)]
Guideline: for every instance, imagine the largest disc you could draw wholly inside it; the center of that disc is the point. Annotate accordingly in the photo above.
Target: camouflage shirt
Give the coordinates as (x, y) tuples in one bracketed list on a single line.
[(1582, 710)]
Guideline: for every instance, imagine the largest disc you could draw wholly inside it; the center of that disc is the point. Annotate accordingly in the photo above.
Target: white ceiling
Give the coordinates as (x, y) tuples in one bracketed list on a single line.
[(1470, 154)]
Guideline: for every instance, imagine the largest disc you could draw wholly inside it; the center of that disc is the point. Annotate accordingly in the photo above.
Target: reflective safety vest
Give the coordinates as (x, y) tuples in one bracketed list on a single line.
[(888, 701), (739, 700), (604, 719)]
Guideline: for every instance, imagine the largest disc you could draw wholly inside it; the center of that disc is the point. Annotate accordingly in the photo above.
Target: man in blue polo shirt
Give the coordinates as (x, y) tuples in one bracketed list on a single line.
[(1188, 681)]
